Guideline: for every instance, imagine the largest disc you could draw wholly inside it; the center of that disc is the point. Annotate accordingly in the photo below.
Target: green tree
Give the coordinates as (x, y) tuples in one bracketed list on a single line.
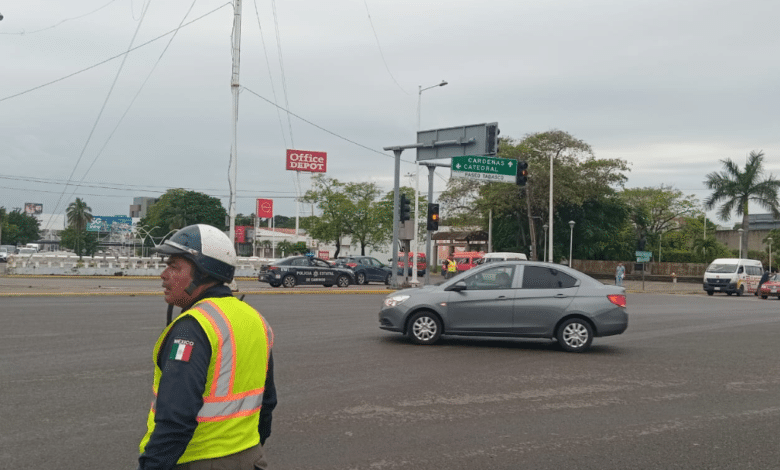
[(79, 215), (578, 177), (328, 196), (20, 228), (80, 241), (178, 208), (2, 223), (736, 188), (661, 207), (246, 220)]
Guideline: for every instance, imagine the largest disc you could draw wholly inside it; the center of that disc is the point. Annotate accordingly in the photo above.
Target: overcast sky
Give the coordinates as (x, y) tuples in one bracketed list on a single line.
[(670, 86)]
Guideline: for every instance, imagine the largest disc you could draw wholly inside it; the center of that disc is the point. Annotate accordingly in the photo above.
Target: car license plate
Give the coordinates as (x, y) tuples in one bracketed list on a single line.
[(717, 288), (774, 289)]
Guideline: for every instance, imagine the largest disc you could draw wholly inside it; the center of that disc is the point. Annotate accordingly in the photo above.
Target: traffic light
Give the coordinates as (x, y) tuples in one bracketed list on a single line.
[(406, 209), (491, 142), (433, 217), (522, 173)]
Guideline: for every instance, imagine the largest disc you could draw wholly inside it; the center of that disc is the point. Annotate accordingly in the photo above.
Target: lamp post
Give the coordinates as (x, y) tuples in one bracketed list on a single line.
[(571, 240), (415, 254), (146, 231), (769, 239), (550, 211), (545, 227), (740, 242)]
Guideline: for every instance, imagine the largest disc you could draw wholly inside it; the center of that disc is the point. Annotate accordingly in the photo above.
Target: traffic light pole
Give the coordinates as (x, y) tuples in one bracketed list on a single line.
[(428, 258), (396, 212)]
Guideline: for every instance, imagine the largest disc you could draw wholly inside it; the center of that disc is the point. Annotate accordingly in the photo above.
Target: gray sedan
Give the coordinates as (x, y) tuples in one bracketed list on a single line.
[(512, 298)]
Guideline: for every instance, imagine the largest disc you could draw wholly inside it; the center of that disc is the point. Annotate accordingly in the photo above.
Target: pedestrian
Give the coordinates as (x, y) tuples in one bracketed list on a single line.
[(452, 267), (764, 278), (213, 369), (619, 273)]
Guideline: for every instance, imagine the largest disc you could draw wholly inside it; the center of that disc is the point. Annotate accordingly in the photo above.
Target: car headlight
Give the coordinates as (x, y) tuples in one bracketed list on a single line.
[(395, 300)]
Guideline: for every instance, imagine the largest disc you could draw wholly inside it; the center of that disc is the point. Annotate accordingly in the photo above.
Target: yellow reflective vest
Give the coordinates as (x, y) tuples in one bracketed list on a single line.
[(241, 343)]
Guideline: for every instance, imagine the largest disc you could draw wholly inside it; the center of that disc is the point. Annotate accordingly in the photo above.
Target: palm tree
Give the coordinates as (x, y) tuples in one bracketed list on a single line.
[(736, 188), (79, 214)]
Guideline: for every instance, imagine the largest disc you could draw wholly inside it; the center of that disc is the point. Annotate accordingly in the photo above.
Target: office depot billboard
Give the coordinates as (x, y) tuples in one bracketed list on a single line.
[(305, 160)]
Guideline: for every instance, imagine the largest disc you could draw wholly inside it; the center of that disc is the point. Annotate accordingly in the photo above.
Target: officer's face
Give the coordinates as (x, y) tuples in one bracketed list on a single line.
[(176, 278)]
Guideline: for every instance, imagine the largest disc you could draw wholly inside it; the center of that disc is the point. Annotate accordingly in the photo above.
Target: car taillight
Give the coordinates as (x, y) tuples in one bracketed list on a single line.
[(617, 299), (351, 265)]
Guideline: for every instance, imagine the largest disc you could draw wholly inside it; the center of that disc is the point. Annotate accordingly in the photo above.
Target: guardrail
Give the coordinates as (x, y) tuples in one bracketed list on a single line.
[(65, 265)]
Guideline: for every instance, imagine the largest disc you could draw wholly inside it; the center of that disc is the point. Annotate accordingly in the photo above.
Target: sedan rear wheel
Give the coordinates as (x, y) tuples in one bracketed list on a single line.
[(575, 335), (343, 281), (288, 281), (424, 328), (360, 278), (389, 279)]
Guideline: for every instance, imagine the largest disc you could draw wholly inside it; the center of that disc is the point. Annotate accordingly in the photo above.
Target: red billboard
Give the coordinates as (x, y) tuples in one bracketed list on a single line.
[(305, 160), (240, 234), (265, 208)]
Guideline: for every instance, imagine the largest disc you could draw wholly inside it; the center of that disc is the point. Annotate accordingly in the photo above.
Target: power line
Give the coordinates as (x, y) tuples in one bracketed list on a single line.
[(379, 46), (322, 128), (22, 33), (112, 58), (102, 108)]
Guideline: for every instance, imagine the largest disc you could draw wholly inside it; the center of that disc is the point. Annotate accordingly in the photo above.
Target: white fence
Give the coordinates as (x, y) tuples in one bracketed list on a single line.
[(70, 265)]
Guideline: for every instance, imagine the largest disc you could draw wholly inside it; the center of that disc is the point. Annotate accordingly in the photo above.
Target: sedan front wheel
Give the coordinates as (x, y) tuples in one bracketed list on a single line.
[(575, 335), (424, 328)]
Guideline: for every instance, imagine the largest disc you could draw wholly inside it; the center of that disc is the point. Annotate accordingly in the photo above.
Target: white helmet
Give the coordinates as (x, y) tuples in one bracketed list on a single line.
[(207, 247)]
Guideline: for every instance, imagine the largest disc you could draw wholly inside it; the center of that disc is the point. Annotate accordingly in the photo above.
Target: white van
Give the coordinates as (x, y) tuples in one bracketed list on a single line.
[(503, 256), (733, 276)]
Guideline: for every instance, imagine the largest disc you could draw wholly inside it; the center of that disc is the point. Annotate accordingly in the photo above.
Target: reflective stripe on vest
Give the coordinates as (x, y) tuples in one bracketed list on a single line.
[(222, 403)]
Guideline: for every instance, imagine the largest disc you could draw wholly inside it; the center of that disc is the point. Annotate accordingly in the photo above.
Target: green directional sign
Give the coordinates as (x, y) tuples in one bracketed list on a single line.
[(643, 256), (485, 168)]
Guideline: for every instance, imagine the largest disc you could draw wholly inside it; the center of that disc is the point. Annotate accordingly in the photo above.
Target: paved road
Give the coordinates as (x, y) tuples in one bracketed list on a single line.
[(694, 383)]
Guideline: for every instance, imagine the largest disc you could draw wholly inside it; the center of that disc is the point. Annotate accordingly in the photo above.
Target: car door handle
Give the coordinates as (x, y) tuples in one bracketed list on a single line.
[(561, 296)]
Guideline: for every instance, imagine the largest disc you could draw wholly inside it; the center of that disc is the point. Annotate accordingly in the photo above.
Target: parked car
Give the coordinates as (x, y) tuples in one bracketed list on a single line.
[(510, 299), (422, 264), (367, 269), (771, 287), (4, 255), (502, 256), (299, 270)]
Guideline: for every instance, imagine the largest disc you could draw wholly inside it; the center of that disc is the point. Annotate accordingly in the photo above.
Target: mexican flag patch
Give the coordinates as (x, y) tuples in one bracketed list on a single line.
[(181, 350)]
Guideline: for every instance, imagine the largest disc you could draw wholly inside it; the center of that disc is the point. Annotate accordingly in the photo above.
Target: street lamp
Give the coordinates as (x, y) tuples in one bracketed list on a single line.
[(740, 242), (545, 227), (571, 240), (146, 231), (415, 254)]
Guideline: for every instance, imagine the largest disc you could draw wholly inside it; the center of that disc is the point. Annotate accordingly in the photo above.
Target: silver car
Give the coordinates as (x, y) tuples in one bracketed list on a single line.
[(510, 298)]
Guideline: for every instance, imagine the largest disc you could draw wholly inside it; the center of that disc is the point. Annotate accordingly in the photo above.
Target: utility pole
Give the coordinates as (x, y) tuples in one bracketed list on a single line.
[(232, 176)]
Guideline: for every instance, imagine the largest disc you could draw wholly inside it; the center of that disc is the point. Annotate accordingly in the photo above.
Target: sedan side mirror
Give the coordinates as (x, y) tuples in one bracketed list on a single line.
[(458, 286)]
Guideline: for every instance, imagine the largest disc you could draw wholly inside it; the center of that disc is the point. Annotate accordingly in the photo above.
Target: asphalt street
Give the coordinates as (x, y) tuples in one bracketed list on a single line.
[(694, 383)]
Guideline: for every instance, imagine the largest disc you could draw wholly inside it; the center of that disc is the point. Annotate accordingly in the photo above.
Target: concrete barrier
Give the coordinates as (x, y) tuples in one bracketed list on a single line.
[(67, 265)]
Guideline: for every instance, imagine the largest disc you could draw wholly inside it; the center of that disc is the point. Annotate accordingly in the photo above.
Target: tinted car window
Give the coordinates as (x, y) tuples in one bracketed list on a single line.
[(300, 262), (537, 277), (496, 278), (320, 263)]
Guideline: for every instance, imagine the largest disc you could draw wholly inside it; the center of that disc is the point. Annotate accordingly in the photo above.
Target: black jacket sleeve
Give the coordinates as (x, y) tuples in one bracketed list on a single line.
[(269, 402), (179, 397)]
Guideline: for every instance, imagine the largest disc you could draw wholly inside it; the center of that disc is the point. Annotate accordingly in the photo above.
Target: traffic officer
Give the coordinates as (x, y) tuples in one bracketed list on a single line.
[(452, 267), (213, 370)]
